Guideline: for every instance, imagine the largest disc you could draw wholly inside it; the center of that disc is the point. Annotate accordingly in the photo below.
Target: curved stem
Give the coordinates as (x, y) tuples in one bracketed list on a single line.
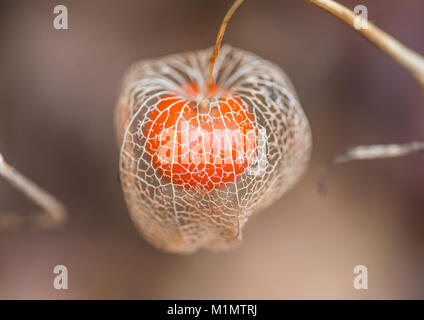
[(54, 214), (408, 58), (215, 52)]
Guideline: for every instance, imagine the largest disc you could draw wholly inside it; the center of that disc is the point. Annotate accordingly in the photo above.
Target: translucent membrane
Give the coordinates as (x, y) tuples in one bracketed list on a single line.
[(192, 176)]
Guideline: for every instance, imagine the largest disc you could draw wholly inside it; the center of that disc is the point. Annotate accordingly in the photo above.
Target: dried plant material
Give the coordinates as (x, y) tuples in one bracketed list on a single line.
[(409, 59), (406, 57), (217, 46), (370, 152), (182, 194), (54, 213)]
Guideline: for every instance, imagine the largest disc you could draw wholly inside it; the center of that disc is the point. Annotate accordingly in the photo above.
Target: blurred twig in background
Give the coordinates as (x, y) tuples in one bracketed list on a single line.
[(54, 214), (378, 151), (408, 58)]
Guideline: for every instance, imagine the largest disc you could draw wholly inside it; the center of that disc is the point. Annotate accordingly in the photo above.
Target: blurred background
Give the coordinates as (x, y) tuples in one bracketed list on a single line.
[(58, 90)]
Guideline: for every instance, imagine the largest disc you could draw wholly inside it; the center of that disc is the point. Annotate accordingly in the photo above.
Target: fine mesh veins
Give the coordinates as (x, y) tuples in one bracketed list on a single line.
[(179, 219)]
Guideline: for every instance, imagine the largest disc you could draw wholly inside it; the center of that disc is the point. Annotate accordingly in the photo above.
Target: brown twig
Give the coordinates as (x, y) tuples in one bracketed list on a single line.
[(54, 212), (371, 152), (408, 58), (215, 52)]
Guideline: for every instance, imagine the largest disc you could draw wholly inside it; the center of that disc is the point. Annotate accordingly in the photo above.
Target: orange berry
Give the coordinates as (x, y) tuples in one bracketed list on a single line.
[(201, 150)]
